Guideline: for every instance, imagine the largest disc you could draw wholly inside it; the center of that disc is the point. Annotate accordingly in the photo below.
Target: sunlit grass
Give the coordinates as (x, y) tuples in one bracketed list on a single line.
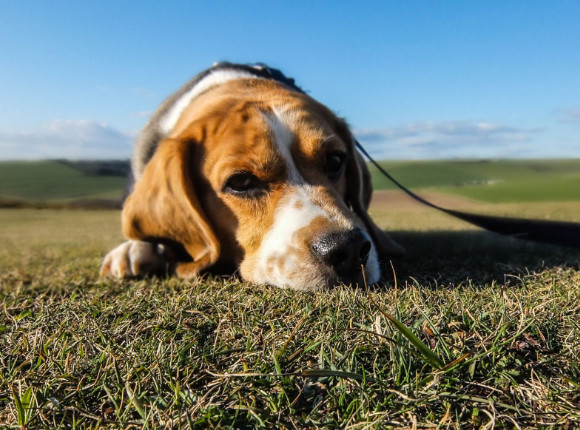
[(79, 351)]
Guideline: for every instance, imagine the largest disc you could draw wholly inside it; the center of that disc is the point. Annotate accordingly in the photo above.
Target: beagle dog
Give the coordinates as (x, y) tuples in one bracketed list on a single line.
[(241, 171)]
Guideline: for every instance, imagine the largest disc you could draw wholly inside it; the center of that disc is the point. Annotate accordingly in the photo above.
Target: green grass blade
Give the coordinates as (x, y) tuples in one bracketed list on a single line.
[(20, 416), (425, 351), (136, 402), (321, 373)]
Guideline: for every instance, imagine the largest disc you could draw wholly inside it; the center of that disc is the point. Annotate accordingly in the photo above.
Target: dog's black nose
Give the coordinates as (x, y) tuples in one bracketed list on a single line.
[(344, 251)]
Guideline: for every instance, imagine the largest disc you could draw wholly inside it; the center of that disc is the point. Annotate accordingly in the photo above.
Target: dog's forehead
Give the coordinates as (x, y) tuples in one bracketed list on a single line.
[(299, 127), (260, 122)]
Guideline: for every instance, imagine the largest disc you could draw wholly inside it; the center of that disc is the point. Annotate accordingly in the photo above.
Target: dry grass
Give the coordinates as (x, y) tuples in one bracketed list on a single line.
[(77, 351)]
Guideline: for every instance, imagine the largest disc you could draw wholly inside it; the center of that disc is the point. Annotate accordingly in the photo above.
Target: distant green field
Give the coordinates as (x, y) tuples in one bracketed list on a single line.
[(488, 181), (50, 181)]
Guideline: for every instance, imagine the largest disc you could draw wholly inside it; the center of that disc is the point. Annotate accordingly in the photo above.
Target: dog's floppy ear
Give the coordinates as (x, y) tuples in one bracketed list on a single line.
[(164, 207), (359, 192)]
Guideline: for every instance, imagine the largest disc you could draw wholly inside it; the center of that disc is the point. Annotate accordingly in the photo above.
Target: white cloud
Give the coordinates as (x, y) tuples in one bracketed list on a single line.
[(451, 139), (143, 114), (67, 139), (570, 116), (144, 92), (420, 140)]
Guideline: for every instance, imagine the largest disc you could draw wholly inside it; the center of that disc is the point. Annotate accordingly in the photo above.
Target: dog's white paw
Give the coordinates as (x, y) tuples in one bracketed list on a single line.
[(134, 259)]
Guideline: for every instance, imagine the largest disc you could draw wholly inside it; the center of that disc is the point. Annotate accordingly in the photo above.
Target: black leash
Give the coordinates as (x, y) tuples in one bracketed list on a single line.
[(553, 232)]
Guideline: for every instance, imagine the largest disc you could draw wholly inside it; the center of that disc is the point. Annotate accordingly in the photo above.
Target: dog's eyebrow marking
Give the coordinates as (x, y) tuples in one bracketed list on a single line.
[(283, 139), (168, 121)]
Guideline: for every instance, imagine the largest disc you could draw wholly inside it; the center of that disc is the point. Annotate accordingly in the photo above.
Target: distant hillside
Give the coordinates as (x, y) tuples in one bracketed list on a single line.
[(120, 168), (58, 183), (491, 181)]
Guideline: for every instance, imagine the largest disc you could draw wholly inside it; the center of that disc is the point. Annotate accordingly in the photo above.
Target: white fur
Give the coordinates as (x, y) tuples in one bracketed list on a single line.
[(167, 123), (294, 213), (372, 268), (284, 138), (133, 258)]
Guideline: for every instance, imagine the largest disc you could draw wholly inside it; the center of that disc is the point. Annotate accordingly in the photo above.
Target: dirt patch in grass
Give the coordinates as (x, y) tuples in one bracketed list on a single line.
[(398, 200)]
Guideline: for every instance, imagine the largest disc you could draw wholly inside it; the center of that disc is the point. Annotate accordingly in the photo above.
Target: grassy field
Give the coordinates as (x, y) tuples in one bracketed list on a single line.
[(500, 318), (499, 181), (54, 181)]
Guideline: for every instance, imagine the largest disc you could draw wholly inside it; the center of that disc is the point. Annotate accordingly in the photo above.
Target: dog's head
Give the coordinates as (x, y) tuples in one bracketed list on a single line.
[(265, 179)]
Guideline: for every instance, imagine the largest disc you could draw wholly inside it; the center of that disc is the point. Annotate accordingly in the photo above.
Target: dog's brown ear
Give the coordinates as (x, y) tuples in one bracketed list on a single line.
[(359, 192), (164, 206)]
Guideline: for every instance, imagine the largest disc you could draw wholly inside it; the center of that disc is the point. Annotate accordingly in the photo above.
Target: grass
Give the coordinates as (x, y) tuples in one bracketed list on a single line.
[(78, 351)]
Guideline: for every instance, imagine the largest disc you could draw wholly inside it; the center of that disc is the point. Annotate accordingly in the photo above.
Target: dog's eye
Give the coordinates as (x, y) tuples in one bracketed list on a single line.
[(244, 184), (335, 164)]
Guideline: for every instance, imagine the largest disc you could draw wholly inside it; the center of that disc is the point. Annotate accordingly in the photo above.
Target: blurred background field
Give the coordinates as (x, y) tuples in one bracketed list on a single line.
[(62, 183), (492, 181), (101, 184)]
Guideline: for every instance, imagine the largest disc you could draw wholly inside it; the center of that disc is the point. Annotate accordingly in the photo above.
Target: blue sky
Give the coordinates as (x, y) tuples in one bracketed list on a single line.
[(416, 80)]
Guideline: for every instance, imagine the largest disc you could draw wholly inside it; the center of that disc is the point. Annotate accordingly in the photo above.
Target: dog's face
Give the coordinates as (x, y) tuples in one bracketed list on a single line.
[(264, 179)]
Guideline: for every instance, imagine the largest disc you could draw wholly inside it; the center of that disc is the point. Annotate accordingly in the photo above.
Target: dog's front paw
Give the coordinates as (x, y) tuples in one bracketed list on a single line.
[(134, 259)]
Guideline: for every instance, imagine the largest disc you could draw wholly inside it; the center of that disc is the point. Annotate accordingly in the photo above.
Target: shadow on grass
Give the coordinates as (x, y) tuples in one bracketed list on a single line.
[(449, 258)]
